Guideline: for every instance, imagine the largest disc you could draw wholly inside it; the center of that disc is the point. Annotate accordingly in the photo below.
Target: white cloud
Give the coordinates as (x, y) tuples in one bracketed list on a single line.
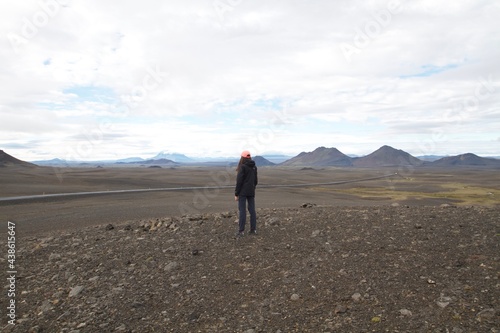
[(203, 71)]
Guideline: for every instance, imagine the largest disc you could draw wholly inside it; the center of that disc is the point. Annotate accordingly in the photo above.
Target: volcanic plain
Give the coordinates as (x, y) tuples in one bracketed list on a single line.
[(374, 250)]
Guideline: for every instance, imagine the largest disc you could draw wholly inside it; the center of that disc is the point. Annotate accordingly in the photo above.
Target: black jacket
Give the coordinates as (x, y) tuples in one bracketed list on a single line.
[(246, 180)]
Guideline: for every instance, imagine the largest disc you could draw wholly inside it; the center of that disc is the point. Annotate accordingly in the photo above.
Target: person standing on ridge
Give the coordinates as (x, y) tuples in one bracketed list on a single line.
[(246, 181)]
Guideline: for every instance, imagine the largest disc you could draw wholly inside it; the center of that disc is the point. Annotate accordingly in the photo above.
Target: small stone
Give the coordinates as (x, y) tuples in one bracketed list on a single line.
[(395, 204), (121, 328), (273, 221), (109, 227), (405, 312), (486, 315), (171, 266), (316, 233), (137, 305), (340, 309), (443, 301), (442, 305), (376, 319), (75, 291), (295, 297), (356, 297), (35, 329), (46, 306), (195, 217), (54, 256)]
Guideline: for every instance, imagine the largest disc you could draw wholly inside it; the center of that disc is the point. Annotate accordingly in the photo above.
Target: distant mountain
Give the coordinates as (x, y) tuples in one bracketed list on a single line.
[(160, 162), (176, 157), (262, 161), (384, 156), (320, 157), (7, 160), (468, 159), (52, 162), (387, 156), (57, 162)]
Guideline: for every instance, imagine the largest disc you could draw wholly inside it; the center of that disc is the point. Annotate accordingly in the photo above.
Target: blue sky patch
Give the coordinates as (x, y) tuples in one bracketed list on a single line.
[(429, 70), (92, 94)]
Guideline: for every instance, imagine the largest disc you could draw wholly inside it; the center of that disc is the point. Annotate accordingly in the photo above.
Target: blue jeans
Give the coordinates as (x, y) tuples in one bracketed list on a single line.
[(242, 203)]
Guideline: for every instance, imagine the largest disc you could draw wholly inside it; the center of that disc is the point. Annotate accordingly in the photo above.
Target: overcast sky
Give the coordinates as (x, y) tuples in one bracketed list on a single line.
[(86, 80)]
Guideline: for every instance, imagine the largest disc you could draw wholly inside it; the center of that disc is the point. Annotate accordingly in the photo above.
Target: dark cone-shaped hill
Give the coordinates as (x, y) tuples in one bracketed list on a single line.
[(320, 157), (8, 160), (387, 156), (468, 159), (262, 161)]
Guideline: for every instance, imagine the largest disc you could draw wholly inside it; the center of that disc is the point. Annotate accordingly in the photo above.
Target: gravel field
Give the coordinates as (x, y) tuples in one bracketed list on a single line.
[(312, 268)]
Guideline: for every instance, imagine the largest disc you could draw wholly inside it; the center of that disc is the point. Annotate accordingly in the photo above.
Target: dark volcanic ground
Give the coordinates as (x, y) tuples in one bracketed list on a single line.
[(310, 269)]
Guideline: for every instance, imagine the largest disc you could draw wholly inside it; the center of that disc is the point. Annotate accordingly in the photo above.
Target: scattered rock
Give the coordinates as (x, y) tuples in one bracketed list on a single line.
[(46, 306), (171, 266), (75, 291), (405, 313), (316, 233), (121, 328), (197, 217), (35, 329), (486, 315), (273, 221), (356, 297), (109, 227), (443, 301), (54, 256), (295, 297), (340, 309)]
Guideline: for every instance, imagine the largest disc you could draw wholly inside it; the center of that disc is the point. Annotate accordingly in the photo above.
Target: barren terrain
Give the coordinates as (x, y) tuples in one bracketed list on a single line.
[(414, 252)]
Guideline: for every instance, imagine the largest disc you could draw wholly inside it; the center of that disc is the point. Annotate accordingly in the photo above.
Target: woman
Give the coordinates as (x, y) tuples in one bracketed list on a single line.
[(246, 181)]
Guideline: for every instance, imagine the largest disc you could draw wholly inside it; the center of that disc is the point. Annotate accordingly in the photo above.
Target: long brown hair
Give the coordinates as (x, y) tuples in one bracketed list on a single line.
[(242, 160)]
